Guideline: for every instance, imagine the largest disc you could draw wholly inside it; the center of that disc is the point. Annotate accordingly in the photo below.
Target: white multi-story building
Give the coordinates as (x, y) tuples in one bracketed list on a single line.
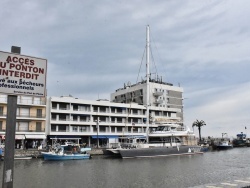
[(76, 119), (68, 118), (165, 100)]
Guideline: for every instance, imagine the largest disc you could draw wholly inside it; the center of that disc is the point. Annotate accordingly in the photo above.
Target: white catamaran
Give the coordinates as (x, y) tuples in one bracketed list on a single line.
[(166, 140)]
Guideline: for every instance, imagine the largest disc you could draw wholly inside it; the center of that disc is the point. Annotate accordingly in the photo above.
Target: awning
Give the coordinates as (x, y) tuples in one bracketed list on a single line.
[(35, 136), (64, 137), (19, 137), (104, 136)]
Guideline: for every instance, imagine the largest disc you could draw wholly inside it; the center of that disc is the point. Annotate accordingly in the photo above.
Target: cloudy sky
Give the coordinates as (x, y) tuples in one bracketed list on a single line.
[(94, 47)]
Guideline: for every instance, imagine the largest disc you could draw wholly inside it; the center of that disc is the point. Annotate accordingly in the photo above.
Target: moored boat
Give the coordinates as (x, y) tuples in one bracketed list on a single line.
[(160, 151), (167, 140), (66, 152), (241, 140), (224, 143)]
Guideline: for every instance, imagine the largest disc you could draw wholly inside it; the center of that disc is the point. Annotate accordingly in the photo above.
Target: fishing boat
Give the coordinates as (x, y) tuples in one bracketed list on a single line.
[(66, 152), (241, 140), (167, 139), (224, 143)]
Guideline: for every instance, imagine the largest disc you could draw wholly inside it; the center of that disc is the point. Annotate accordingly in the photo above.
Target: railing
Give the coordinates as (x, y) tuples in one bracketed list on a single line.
[(40, 131), (64, 108), (158, 93), (26, 115), (31, 116)]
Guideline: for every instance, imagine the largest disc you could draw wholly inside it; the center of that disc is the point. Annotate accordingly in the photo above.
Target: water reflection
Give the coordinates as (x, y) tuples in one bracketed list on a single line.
[(178, 171)]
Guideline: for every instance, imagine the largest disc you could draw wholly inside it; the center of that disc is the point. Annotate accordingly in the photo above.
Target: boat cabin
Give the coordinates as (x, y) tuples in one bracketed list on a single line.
[(131, 141), (241, 136)]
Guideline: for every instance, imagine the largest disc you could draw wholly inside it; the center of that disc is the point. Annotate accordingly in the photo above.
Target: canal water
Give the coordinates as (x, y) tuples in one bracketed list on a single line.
[(102, 172)]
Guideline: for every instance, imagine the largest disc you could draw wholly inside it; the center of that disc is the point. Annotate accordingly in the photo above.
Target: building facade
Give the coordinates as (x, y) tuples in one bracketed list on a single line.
[(30, 120), (165, 100), (94, 123), (88, 121)]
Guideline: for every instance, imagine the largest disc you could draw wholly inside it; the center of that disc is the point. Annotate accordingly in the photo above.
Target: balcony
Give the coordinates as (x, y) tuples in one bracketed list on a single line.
[(159, 101), (20, 116), (158, 93)]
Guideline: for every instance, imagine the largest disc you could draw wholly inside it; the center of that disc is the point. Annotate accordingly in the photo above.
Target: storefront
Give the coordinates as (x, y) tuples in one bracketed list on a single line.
[(34, 141)]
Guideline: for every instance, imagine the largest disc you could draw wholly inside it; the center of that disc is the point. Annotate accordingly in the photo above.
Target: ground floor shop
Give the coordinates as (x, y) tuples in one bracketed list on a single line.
[(102, 141), (27, 141)]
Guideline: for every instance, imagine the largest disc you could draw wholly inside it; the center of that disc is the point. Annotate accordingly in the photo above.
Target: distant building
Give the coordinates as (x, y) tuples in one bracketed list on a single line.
[(165, 100)]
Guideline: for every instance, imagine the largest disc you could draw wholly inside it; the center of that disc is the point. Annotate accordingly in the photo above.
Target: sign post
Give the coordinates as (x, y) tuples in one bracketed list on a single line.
[(19, 75)]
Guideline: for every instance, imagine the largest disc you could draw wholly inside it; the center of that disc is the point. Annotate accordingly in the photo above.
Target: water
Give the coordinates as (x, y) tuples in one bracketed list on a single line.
[(102, 172)]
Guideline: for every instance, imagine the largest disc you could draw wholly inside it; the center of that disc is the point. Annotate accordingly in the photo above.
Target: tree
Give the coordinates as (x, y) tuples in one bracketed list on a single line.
[(199, 124)]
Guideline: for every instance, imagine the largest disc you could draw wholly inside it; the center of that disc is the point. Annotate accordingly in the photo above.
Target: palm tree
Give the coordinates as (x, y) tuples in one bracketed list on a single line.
[(199, 124)]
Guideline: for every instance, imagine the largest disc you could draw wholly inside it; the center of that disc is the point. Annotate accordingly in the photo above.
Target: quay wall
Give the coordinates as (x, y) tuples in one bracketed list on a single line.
[(37, 153)]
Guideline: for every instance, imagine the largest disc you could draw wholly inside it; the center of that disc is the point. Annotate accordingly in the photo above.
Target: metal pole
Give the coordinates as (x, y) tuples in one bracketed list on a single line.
[(97, 127), (8, 170), (147, 69)]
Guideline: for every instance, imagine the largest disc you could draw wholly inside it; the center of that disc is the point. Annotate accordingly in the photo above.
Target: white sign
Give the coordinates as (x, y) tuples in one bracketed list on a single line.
[(22, 75)]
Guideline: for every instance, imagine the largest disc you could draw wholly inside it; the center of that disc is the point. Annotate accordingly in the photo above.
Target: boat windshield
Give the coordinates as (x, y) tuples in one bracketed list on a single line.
[(163, 128), (241, 136)]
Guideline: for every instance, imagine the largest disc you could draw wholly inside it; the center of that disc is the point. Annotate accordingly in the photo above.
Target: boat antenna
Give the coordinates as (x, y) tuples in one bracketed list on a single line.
[(147, 75)]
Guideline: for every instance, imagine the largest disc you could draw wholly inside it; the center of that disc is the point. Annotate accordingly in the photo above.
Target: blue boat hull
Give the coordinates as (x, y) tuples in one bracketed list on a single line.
[(56, 157)]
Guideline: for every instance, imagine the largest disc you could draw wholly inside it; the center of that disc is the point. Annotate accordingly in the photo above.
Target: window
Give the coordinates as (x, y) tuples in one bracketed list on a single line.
[(62, 128), (38, 126), (24, 112), (82, 129), (119, 129), (22, 126), (53, 117), (53, 127), (54, 105), (39, 113), (1, 110), (75, 129), (1, 126)]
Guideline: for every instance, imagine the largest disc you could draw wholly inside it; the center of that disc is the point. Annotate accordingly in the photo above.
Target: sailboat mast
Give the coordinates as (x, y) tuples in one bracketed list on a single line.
[(148, 74)]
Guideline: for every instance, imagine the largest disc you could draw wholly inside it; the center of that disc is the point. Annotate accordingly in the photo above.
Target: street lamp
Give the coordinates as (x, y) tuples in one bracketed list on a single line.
[(97, 131)]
